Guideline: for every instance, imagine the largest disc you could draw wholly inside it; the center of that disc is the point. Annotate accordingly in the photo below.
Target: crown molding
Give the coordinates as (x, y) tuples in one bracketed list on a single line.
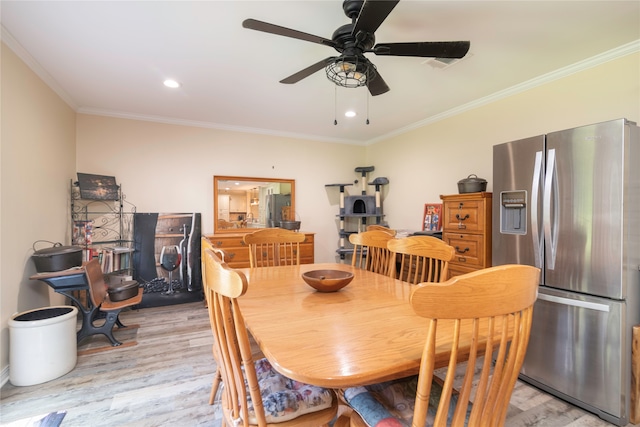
[(594, 61), (613, 54)]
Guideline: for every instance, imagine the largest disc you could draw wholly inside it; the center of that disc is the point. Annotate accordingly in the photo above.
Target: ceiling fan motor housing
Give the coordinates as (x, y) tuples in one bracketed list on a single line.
[(363, 41)]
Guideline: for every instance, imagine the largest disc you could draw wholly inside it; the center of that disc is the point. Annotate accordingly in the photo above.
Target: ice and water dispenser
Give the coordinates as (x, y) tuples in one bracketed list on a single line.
[(513, 212)]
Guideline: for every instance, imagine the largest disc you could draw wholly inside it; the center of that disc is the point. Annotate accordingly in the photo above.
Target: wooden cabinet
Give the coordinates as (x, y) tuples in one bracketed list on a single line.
[(237, 253), (466, 220)]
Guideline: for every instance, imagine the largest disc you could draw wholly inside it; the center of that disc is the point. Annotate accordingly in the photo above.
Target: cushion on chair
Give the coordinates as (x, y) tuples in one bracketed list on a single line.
[(374, 413), (391, 403), (285, 399)]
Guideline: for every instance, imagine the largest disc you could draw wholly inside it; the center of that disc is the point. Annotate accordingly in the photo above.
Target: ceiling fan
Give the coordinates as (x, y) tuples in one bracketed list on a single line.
[(351, 68)]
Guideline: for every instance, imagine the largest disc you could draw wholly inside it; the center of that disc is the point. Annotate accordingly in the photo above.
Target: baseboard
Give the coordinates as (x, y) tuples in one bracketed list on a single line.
[(4, 376)]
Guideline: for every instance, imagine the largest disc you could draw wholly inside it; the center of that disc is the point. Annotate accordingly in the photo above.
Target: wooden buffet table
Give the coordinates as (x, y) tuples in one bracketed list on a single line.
[(365, 333)]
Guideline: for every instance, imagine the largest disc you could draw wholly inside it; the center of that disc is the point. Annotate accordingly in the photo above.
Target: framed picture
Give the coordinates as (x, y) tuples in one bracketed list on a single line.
[(432, 217), (97, 187)]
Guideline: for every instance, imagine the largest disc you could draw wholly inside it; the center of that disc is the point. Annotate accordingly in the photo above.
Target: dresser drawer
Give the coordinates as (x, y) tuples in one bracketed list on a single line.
[(467, 215), (469, 248), (457, 270), (236, 257), (222, 242), (306, 251)]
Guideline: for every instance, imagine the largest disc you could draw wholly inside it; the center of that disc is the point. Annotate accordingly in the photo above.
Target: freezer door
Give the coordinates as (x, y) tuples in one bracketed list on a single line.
[(583, 209), (579, 348), (517, 176)]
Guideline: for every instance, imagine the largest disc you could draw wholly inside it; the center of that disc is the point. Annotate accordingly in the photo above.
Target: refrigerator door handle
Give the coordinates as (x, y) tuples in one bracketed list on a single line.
[(536, 231), (551, 224), (574, 302)]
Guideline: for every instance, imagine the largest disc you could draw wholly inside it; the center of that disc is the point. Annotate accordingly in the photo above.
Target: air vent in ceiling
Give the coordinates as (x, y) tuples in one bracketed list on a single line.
[(444, 62)]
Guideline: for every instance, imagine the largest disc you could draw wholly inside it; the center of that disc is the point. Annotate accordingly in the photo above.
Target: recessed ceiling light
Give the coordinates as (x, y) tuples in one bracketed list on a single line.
[(171, 83), (350, 114)]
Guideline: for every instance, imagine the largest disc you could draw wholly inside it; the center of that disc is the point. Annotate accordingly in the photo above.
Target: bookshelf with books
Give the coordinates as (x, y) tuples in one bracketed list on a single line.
[(102, 223)]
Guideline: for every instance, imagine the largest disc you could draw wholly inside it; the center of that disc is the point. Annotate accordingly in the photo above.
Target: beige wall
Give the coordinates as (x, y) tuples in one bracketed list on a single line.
[(42, 150), (170, 168), (429, 161), (150, 159), (38, 160)]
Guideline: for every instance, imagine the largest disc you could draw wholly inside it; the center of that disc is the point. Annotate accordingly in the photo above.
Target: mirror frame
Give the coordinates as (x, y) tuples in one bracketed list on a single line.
[(217, 179)]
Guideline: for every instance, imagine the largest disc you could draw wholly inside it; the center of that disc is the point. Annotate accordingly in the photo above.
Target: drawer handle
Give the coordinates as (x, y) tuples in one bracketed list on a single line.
[(218, 243), (461, 251), (463, 218), (230, 254), (462, 259)]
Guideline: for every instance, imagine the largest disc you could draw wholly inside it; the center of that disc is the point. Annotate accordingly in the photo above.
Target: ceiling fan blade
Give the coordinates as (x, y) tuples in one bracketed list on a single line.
[(254, 24), (424, 49), (377, 85), (372, 14), (295, 78)]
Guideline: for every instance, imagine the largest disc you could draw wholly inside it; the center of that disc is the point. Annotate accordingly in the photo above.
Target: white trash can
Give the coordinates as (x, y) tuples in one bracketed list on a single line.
[(42, 344)]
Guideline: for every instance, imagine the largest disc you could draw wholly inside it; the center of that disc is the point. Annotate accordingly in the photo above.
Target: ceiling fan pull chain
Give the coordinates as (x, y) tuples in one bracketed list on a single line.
[(367, 107), (335, 106)]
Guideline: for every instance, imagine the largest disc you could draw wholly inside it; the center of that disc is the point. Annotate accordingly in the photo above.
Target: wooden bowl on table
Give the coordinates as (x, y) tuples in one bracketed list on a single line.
[(327, 280)]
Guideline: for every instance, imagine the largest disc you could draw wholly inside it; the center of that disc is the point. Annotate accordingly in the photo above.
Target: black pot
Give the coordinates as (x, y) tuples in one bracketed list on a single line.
[(290, 225), (57, 258), (123, 291), (472, 184)]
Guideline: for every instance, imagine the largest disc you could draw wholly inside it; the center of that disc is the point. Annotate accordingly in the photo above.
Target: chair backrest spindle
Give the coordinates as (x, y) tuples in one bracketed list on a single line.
[(421, 259), (370, 251), (271, 247)]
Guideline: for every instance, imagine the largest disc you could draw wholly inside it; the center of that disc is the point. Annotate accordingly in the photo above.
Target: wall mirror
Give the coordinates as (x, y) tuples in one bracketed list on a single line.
[(243, 204)]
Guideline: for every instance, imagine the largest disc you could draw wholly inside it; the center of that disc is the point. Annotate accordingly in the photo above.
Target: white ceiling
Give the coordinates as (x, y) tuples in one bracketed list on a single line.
[(110, 58)]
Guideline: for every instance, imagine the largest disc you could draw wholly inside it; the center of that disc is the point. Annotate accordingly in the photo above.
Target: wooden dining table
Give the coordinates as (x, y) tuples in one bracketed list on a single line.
[(364, 333)]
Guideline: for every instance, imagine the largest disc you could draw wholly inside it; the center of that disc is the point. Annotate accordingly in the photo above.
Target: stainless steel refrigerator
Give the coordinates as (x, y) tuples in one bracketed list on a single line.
[(569, 203), (274, 205)]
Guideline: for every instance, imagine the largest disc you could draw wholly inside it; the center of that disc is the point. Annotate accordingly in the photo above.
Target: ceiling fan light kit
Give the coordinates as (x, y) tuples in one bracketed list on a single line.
[(351, 68), (348, 72)]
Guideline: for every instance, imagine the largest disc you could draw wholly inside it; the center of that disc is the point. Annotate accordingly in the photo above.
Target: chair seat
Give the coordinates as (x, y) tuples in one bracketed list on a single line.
[(285, 399), (391, 403)]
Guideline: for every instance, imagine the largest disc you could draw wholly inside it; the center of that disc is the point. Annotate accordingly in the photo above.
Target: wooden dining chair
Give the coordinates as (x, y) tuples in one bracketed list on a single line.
[(370, 251), (271, 247), (205, 244), (498, 302), (254, 394), (372, 227), (420, 259)]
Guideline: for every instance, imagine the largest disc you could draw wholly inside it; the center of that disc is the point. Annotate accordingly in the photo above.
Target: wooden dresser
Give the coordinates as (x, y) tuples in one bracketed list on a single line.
[(466, 220), (237, 253)]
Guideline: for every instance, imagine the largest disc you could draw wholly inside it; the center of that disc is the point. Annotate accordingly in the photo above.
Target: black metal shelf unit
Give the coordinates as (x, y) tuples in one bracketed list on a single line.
[(103, 227)]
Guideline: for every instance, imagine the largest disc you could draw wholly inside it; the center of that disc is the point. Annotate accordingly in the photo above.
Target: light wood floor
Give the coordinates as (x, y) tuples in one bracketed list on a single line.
[(165, 380)]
